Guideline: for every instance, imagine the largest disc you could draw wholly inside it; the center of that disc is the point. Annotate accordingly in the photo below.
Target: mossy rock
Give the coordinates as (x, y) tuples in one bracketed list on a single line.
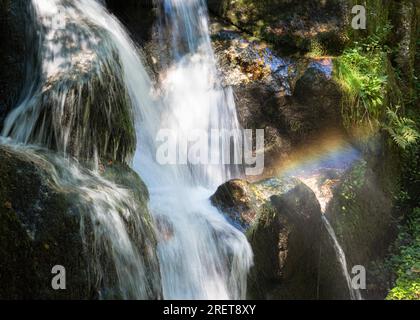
[(96, 111), (285, 241), (80, 106), (241, 201), (236, 198), (44, 223), (282, 221), (362, 215), (290, 25)]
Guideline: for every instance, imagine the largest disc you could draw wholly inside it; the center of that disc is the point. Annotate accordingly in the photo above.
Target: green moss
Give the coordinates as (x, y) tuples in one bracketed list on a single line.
[(361, 72), (351, 211), (369, 72), (97, 113), (406, 262), (354, 182), (288, 25)]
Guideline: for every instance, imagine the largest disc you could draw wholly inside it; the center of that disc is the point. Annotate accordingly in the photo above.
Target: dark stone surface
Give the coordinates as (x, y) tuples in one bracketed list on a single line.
[(362, 215), (14, 19), (285, 241), (237, 199), (282, 220), (136, 15), (41, 226), (292, 26)]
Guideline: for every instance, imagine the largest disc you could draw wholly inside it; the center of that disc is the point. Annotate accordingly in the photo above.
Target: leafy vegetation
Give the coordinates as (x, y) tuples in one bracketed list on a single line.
[(401, 129), (407, 261), (372, 96), (360, 71), (377, 99)]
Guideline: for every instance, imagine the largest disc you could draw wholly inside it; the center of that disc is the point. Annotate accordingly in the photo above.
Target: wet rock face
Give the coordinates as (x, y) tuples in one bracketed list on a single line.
[(292, 99), (41, 226), (282, 220), (80, 104), (14, 16), (136, 15), (285, 241), (38, 232), (96, 111), (237, 199), (291, 25), (361, 213)]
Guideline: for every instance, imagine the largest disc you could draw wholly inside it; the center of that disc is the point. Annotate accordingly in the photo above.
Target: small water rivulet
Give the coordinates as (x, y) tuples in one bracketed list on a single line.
[(321, 171), (354, 293)]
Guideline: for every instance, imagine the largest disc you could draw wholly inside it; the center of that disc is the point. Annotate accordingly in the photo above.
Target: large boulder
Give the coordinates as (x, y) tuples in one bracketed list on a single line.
[(237, 200), (282, 220), (320, 95), (292, 99), (77, 104), (285, 241), (47, 219), (90, 103)]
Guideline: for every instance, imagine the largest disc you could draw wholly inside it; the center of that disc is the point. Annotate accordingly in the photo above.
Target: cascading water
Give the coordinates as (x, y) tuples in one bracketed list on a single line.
[(80, 42), (201, 255), (354, 293)]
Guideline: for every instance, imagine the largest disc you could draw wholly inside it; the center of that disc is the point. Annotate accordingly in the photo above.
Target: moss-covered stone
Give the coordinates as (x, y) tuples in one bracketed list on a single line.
[(290, 25), (285, 241), (282, 220), (96, 112), (237, 200), (79, 106), (361, 213), (44, 223)]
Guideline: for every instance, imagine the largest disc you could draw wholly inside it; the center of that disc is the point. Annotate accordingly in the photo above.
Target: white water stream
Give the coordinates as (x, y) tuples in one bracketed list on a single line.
[(201, 255)]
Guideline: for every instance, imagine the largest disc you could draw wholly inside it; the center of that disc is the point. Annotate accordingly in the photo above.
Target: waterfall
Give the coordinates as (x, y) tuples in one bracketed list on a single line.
[(80, 46), (354, 293), (201, 255)]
